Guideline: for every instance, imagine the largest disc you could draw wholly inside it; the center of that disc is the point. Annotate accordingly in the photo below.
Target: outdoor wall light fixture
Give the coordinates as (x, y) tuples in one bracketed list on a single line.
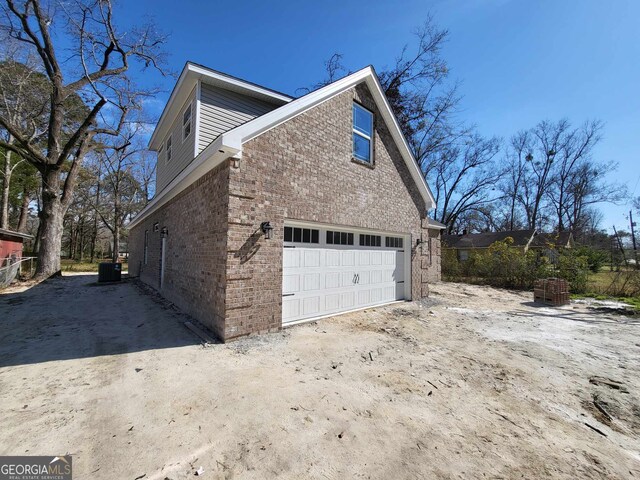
[(164, 232), (419, 242), (266, 229)]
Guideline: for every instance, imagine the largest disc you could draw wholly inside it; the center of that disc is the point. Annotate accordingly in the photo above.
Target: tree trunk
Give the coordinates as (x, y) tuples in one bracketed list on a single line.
[(116, 242), (6, 183), (24, 212), (51, 225)]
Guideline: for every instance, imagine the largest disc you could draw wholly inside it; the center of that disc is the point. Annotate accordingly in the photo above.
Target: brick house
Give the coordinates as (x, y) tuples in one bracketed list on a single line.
[(272, 210)]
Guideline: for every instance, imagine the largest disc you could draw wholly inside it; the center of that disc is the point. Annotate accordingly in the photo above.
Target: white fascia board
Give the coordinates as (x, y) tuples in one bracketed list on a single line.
[(177, 91), (211, 157), (400, 139), (236, 137), (251, 88)]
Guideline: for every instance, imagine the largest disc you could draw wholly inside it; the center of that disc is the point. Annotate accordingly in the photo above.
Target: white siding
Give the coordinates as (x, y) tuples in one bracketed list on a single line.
[(221, 110), (183, 152)]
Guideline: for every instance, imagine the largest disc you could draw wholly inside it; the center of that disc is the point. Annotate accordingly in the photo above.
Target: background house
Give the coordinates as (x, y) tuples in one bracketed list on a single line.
[(524, 239)]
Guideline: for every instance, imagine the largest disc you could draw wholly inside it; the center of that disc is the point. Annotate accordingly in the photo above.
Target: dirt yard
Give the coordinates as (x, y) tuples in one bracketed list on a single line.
[(473, 383)]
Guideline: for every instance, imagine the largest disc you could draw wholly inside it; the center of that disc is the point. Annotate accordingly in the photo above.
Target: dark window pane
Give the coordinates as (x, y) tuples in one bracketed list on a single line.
[(315, 236), (361, 240), (329, 237), (350, 239), (386, 241), (288, 234), (297, 234), (361, 148), (367, 240), (399, 243), (306, 235), (343, 238), (336, 238), (378, 240)]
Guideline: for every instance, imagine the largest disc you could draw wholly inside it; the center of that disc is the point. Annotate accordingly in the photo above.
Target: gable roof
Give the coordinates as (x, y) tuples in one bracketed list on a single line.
[(521, 238), (557, 239), (191, 74), (11, 233), (229, 144)]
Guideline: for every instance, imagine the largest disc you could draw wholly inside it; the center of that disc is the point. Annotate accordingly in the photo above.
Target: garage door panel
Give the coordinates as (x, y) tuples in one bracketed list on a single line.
[(376, 295), (290, 308), (364, 297), (389, 257), (347, 300), (311, 305), (324, 280), (347, 278), (332, 258), (290, 283), (390, 293), (348, 259), (291, 258), (311, 258), (311, 281), (332, 302), (332, 280)]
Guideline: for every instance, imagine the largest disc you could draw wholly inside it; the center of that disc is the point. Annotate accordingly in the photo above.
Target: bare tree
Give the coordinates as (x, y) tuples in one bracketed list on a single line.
[(94, 71), (123, 195), (465, 179)]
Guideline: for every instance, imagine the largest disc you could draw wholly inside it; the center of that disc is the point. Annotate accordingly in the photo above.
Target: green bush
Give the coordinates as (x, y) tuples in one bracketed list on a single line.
[(502, 265), (595, 258), (574, 267)]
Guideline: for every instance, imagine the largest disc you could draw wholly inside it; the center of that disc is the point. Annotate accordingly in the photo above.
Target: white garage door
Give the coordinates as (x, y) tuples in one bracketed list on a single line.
[(327, 271)]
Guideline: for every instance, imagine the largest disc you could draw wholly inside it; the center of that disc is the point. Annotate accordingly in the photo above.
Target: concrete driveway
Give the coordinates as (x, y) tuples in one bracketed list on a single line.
[(474, 383)]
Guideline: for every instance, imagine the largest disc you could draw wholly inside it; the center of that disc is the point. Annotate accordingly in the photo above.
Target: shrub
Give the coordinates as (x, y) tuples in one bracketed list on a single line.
[(595, 258), (501, 265)]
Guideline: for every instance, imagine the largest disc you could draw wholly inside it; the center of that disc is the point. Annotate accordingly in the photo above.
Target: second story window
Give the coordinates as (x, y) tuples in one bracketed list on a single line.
[(362, 134), (169, 149), (186, 123)]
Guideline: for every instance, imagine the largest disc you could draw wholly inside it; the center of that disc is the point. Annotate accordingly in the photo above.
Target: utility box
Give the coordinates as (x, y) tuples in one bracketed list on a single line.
[(109, 272)]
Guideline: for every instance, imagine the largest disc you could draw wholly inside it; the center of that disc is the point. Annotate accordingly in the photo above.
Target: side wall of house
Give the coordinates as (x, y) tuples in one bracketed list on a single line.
[(221, 110), (196, 246), (431, 257), (303, 170), (182, 150)]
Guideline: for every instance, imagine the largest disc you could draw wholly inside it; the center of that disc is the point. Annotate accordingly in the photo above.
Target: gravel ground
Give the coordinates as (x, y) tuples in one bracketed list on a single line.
[(473, 382)]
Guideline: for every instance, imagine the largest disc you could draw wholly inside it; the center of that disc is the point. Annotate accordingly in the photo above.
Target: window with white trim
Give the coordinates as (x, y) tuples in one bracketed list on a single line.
[(169, 149), (367, 240), (339, 238), (186, 123), (393, 242), (301, 235), (362, 134)]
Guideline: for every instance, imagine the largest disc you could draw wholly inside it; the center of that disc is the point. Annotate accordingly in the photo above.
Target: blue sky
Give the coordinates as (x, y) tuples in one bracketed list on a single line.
[(518, 61)]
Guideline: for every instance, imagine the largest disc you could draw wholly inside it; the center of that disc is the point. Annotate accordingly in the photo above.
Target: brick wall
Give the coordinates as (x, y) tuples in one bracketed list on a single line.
[(303, 170), (220, 268), (196, 246)]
